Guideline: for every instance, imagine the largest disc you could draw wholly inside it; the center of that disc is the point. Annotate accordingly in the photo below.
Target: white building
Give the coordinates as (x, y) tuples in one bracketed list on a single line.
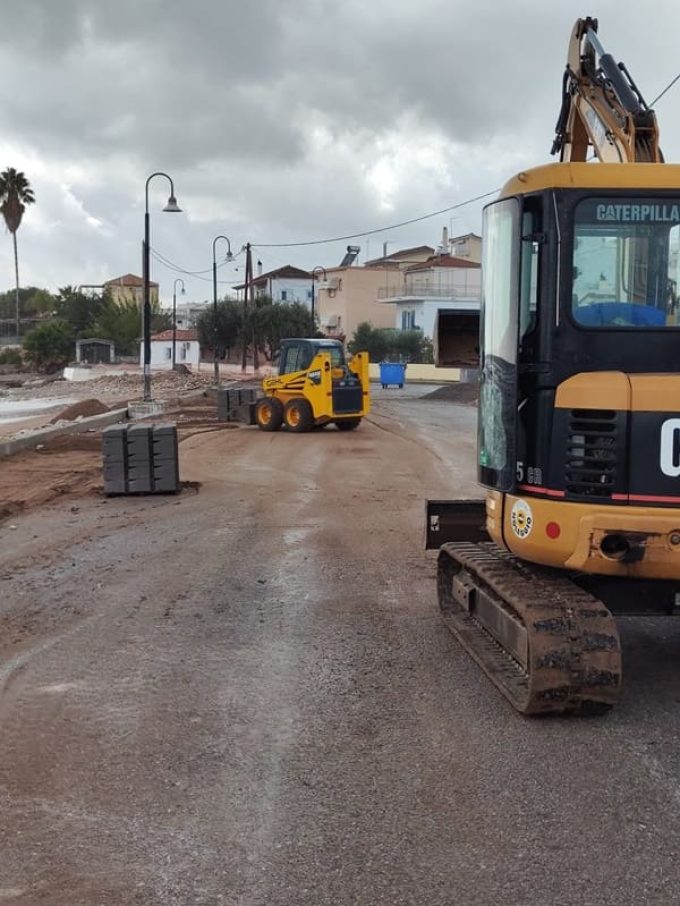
[(188, 313), (442, 290), (285, 284), (187, 349)]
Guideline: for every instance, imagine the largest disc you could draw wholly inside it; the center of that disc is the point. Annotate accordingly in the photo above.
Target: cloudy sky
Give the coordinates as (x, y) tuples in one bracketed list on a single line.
[(284, 121)]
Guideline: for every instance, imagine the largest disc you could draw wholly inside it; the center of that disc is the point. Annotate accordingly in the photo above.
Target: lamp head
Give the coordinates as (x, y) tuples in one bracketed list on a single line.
[(172, 207), (229, 256), (183, 292)]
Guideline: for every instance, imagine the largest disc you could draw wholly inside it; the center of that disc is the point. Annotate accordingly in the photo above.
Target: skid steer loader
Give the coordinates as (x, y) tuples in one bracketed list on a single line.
[(315, 387)]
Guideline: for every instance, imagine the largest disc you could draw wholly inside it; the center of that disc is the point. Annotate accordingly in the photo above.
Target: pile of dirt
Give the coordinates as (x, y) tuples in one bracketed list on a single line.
[(463, 393), (81, 409)]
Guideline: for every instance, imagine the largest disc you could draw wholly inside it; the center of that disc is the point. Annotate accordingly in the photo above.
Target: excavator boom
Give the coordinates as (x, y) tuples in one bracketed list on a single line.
[(602, 107)]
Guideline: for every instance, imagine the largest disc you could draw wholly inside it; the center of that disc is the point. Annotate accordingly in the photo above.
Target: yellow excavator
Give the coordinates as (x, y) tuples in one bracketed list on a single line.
[(579, 406)]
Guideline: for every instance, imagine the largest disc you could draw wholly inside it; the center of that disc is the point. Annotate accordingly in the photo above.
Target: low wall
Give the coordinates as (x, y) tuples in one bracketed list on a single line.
[(33, 438), (427, 373)]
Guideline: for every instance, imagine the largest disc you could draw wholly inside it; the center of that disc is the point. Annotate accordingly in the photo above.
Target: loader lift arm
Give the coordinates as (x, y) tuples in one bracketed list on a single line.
[(602, 107)]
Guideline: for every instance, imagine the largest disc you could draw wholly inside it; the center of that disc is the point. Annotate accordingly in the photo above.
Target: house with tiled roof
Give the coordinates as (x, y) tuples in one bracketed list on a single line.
[(130, 287), (186, 345), (285, 284)]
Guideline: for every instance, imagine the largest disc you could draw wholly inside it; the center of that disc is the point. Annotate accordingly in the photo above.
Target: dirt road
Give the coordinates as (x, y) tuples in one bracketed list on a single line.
[(244, 695)]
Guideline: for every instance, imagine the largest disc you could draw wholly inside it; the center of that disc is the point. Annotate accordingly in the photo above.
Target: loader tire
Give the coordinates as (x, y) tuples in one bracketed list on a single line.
[(347, 424), (298, 416), (268, 413)]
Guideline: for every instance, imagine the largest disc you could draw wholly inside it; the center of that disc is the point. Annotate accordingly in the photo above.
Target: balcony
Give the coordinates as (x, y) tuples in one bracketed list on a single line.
[(416, 293), (456, 286)]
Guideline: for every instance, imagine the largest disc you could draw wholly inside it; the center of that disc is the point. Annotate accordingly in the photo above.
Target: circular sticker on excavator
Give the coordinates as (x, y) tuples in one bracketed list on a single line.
[(521, 519)]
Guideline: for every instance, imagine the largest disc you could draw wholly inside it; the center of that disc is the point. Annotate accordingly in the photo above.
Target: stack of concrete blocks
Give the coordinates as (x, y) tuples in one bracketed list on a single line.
[(165, 460), (114, 451), (140, 459)]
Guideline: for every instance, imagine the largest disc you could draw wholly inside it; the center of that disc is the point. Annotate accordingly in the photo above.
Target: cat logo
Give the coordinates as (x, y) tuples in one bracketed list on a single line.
[(521, 519)]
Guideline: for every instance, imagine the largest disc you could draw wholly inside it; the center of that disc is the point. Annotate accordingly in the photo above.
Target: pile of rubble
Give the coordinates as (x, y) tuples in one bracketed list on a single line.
[(118, 387)]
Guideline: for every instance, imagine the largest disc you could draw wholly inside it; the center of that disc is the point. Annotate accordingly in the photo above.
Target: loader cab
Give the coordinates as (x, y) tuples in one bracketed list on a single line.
[(580, 276), (298, 354)]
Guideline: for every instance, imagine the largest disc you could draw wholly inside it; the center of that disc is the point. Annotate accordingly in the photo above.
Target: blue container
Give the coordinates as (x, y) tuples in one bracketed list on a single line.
[(392, 373)]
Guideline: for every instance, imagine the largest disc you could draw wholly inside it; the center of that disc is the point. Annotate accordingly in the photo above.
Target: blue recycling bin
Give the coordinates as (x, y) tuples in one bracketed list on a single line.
[(392, 373)]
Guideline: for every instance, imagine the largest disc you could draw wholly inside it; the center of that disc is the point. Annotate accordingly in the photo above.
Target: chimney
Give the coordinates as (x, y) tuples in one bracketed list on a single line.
[(259, 268)]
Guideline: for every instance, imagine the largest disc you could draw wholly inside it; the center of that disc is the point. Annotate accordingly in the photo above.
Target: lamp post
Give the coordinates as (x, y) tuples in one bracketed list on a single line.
[(314, 270), (174, 317), (172, 208), (229, 257)]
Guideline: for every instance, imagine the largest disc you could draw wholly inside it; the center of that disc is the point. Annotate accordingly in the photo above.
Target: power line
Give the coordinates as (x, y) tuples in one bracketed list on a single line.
[(667, 88), (270, 245), (161, 259), (385, 229)]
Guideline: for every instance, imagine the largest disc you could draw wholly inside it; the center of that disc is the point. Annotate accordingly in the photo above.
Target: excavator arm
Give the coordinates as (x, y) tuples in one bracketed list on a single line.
[(602, 107)]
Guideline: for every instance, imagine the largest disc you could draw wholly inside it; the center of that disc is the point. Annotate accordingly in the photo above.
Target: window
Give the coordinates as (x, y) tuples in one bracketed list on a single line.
[(408, 320), (284, 295), (168, 352), (499, 336), (528, 273), (625, 264), (499, 281), (289, 360)]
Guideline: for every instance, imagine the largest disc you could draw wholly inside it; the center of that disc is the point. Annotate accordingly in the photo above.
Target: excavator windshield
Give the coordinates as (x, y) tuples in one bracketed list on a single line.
[(625, 263)]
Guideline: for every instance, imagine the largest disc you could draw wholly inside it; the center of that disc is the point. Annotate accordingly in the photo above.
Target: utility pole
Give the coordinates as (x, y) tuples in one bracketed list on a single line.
[(249, 280)]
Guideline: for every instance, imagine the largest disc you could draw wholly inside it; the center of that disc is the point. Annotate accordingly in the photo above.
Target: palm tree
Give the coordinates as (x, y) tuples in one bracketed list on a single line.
[(15, 194)]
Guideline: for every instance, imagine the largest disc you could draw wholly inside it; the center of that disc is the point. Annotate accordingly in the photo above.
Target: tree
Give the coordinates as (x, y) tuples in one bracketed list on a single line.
[(272, 322), (33, 302), (368, 339), (78, 309), (388, 344), (15, 195), (50, 346), (225, 330), (119, 322), (160, 318)]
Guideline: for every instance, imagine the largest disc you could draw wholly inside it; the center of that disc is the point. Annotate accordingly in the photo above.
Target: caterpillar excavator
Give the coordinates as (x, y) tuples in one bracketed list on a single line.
[(579, 406)]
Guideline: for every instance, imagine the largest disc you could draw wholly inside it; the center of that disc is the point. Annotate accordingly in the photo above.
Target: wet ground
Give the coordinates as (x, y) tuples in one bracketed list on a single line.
[(244, 695)]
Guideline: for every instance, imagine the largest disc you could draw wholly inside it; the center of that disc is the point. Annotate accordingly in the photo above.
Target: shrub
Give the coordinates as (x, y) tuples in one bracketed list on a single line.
[(11, 357), (50, 346)]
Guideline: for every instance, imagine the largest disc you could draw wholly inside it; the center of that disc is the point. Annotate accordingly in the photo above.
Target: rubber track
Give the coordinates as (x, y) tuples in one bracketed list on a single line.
[(574, 659)]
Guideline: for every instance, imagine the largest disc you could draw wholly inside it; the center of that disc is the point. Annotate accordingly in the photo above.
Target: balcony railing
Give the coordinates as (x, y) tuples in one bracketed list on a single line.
[(429, 292)]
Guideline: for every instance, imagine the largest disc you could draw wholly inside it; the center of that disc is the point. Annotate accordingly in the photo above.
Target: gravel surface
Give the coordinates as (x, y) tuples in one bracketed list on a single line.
[(244, 695)]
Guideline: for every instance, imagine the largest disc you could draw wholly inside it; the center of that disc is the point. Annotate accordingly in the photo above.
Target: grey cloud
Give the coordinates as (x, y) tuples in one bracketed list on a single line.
[(227, 97)]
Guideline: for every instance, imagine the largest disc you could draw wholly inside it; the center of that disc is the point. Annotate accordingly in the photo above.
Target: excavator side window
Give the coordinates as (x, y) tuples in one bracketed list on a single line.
[(498, 345)]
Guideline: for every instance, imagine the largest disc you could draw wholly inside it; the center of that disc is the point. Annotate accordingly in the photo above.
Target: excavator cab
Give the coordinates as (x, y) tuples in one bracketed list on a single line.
[(578, 324), (579, 406)]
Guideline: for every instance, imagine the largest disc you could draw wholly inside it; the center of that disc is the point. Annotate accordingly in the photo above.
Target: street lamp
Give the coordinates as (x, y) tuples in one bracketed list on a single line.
[(174, 316), (314, 270), (229, 257), (172, 208)]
